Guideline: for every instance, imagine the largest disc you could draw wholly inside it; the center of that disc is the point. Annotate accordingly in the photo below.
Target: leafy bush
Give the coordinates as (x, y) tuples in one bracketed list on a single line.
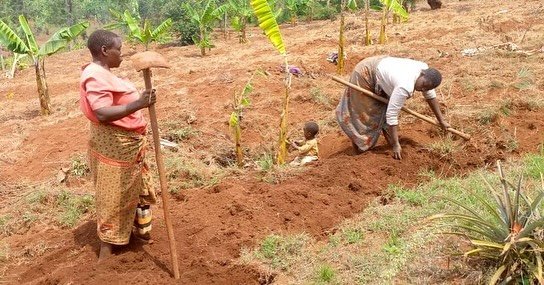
[(507, 231)]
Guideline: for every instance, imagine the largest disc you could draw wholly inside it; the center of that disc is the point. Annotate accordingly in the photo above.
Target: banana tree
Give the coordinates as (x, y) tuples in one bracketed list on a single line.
[(241, 13), (351, 5), (291, 6), (267, 22), (145, 34), (390, 5), (204, 17), (57, 42), (241, 100)]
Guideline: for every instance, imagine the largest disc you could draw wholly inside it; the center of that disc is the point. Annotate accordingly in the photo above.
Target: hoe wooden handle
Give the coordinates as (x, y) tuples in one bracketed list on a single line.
[(162, 177), (409, 111)]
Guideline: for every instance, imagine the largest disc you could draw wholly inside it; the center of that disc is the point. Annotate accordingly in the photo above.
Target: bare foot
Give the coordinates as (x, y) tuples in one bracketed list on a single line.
[(105, 251)]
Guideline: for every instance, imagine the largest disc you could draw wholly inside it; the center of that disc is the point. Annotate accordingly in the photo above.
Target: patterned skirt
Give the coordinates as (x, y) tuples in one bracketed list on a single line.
[(121, 178), (361, 117)]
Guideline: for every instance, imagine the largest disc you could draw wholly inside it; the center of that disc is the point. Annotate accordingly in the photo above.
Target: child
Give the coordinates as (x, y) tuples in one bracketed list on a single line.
[(308, 151)]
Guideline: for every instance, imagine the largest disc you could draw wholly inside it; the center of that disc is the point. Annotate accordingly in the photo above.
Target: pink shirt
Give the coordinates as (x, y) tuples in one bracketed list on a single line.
[(100, 88)]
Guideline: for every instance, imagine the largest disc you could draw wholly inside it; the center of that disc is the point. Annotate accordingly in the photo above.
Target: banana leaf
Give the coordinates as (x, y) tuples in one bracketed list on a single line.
[(31, 41), (268, 24), (162, 28), (11, 41)]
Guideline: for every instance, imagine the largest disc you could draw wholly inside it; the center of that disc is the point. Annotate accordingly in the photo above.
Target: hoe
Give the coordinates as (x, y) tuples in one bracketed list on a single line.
[(144, 61)]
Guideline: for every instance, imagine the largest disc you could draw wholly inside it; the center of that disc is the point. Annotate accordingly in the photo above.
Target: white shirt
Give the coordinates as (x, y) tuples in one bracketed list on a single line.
[(397, 77)]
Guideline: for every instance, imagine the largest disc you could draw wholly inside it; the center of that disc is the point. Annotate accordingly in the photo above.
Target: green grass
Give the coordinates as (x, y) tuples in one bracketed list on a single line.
[(4, 253), (393, 243), (535, 164), (278, 252), (6, 227), (488, 116), (325, 274), (524, 79), (265, 162), (443, 147), (320, 97), (181, 134), (184, 172), (72, 207), (352, 235)]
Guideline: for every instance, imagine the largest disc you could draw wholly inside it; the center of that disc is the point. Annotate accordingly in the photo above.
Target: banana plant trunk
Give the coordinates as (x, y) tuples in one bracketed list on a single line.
[(243, 38), (43, 91), (2, 63), (282, 148), (382, 39), (237, 140), (202, 41), (368, 40), (340, 66)]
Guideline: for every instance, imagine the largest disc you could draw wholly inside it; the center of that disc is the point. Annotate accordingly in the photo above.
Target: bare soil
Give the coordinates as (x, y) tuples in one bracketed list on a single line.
[(212, 224)]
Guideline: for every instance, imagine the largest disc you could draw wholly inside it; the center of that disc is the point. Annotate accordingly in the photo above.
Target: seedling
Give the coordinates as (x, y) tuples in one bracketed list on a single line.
[(240, 101)]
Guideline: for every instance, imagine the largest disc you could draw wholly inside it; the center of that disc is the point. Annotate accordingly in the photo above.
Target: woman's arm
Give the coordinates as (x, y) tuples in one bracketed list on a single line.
[(114, 113)]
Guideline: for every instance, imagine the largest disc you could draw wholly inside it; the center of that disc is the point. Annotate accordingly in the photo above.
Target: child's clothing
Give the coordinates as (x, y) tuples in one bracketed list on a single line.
[(307, 153)]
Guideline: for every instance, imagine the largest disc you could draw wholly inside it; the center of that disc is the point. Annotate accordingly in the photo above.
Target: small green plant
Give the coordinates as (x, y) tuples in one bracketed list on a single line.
[(412, 197), (179, 135), (443, 147), (393, 245), (6, 228), (352, 235), (4, 252), (524, 79), (37, 197), (325, 273), (535, 163), (506, 107), (240, 101), (281, 251), (72, 207), (241, 15), (265, 163), (78, 166), (506, 230), (320, 97), (352, 5), (487, 117), (28, 218)]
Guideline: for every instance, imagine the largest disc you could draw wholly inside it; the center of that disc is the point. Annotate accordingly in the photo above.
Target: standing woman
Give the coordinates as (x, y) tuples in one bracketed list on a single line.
[(117, 145)]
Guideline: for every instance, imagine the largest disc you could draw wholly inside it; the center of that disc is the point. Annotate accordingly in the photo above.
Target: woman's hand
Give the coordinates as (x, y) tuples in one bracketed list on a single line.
[(147, 98), (113, 113)]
